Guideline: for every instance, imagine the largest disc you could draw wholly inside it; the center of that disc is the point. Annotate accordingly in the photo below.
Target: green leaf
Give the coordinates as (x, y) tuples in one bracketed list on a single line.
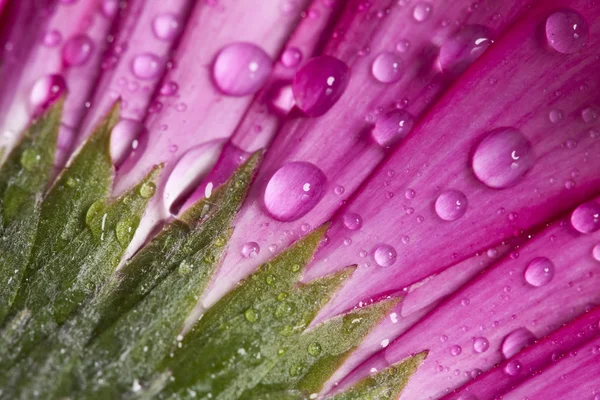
[(386, 384), (23, 179)]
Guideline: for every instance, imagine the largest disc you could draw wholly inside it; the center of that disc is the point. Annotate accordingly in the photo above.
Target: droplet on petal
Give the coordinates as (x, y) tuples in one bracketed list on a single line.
[(294, 190), (291, 57), (513, 367), (387, 67), (241, 69), (463, 48), (353, 221), (516, 341), (392, 127), (539, 272), (586, 217), (451, 205), (165, 26), (422, 11), (109, 8), (122, 137), (146, 66), (319, 84), (567, 31), (46, 91), (596, 252), (77, 50), (250, 250), (481, 345), (502, 158), (385, 255)]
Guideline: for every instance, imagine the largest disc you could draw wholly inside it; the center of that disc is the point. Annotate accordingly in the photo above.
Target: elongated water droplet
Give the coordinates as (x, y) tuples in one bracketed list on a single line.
[(513, 367), (502, 158), (146, 66), (451, 205), (481, 345), (52, 38), (586, 217), (590, 114), (463, 48), (241, 69), (77, 50), (353, 221), (45, 92), (422, 11), (539, 272), (596, 252), (294, 190), (516, 341), (250, 250), (319, 84), (567, 31), (392, 127), (385, 255), (387, 67), (122, 137), (165, 26), (291, 57), (125, 230)]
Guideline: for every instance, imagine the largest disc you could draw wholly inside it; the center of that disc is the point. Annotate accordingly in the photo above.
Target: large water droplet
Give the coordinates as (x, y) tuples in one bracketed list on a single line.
[(567, 31), (451, 205), (481, 345), (77, 50), (387, 67), (392, 127), (45, 91), (146, 66), (539, 272), (353, 221), (455, 350), (165, 26), (385, 255), (596, 252), (422, 11), (462, 49), (502, 158), (513, 367), (291, 57), (586, 217), (294, 190), (241, 69), (109, 8), (250, 250), (125, 230), (122, 137), (516, 341), (319, 84)]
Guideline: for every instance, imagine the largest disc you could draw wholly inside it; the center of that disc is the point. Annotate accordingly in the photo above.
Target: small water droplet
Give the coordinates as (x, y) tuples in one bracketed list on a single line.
[(513, 367), (52, 38), (147, 190), (146, 66), (481, 345), (77, 50), (125, 230), (294, 190), (319, 84), (385, 255), (516, 341), (250, 250), (314, 349), (165, 26), (596, 252), (241, 69), (392, 127), (422, 11), (463, 48), (94, 213), (387, 67), (291, 57), (567, 31), (45, 92), (455, 350), (29, 159), (353, 221), (586, 217), (556, 116), (539, 272), (251, 315), (502, 158), (451, 205)]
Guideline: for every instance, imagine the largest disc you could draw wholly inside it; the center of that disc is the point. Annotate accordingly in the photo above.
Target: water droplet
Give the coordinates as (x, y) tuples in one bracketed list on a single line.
[(596, 252), (586, 217), (291, 57), (94, 213), (169, 88), (387, 67), (462, 49), (481, 345), (590, 114), (109, 8), (314, 349), (147, 190), (516, 341), (146, 66), (52, 38), (45, 92), (513, 367), (422, 11), (353, 221), (241, 69), (556, 116), (403, 46), (125, 230), (29, 159), (122, 138), (250, 250), (539, 272), (385, 255), (502, 158), (451, 205), (296, 369), (594, 133), (319, 84), (567, 31), (77, 50), (455, 350), (251, 315), (392, 127), (165, 26), (294, 190)]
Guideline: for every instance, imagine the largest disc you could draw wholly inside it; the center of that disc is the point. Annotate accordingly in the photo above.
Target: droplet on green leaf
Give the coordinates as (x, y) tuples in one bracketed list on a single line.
[(125, 230), (296, 267), (29, 159), (314, 349), (147, 190), (251, 315)]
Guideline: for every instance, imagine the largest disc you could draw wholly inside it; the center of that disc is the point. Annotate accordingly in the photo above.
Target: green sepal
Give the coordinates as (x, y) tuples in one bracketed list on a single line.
[(386, 384), (23, 179)]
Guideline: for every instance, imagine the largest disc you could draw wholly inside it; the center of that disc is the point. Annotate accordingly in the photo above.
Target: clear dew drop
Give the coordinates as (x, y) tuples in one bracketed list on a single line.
[(555, 116), (291, 57), (165, 26), (109, 8), (392, 127), (251, 315), (516, 341), (586, 217), (451, 205), (387, 67), (422, 11), (52, 38), (481, 345), (539, 272), (590, 114), (314, 349), (46, 91), (353, 221), (319, 84), (169, 88), (513, 367), (146, 66), (596, 252), (385, 255), (147, 190), (463, 48), (567, 31), (125, 230), (455, 350), (294, 190), (502, 158), (77, 50), (241, 69), (250, 250)]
